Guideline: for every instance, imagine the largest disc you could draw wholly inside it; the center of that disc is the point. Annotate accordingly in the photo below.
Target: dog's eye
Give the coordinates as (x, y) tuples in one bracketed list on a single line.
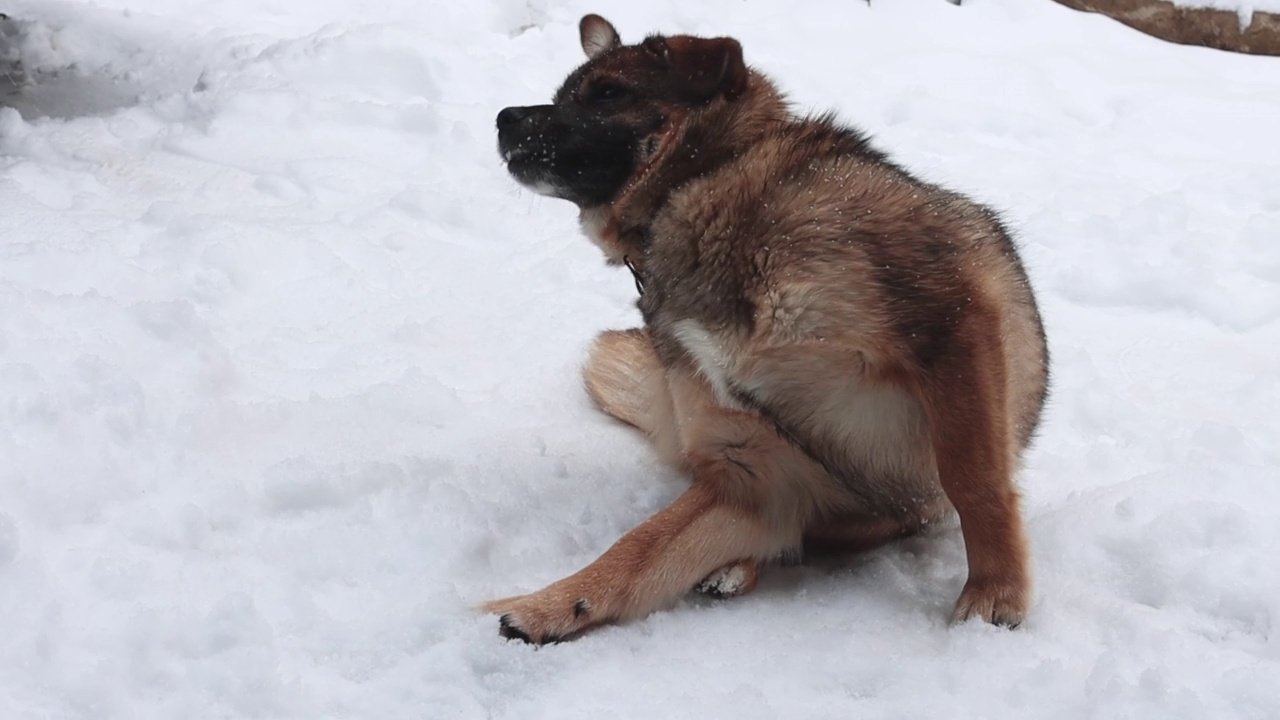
[(606, 93)]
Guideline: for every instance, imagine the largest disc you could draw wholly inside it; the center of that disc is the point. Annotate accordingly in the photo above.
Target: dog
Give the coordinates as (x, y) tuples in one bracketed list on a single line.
[(837, 353)]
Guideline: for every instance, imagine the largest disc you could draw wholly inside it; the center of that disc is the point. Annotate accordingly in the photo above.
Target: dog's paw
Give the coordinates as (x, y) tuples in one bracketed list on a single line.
[(543, 617), (731, 580), (1002, 603)]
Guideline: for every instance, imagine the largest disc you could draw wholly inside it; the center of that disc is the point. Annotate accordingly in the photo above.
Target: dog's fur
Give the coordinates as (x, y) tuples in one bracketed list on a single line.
[(838, 353)]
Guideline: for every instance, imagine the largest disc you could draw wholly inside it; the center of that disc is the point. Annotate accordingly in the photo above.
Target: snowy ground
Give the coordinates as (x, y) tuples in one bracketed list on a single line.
[(288, 371)]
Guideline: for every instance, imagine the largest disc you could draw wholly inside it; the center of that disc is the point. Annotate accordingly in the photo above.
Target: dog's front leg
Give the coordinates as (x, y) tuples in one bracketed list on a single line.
[(650, 567)]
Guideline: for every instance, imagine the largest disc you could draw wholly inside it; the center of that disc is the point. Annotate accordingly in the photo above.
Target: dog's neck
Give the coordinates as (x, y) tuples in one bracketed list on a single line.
[(697, 145)]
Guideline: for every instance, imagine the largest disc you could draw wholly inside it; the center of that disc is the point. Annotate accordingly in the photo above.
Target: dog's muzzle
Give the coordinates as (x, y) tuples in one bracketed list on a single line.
[(511, 117), (515, 132)]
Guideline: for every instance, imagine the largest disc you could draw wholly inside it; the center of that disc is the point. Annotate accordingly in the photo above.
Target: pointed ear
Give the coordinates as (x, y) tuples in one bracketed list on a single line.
[(708, 67), (597, 35)]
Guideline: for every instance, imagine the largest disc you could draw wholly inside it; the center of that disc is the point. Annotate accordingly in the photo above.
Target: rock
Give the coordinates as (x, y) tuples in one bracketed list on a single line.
[(1221, 29)]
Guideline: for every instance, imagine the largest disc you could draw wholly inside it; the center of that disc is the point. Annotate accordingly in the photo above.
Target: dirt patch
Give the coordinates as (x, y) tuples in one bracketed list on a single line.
[(1191, 26)]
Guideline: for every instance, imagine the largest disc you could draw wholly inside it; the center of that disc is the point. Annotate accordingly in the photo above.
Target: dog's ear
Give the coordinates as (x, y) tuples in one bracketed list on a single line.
[(598, 35), (703, 67)]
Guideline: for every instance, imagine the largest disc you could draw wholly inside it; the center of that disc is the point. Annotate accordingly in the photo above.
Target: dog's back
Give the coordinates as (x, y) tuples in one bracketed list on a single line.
[(812, 238)]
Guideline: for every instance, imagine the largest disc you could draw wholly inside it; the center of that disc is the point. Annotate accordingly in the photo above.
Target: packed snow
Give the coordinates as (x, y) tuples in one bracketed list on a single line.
[(289, 370)]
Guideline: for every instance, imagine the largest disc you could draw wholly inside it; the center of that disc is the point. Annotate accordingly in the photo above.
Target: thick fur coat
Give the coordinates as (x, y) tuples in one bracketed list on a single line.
[(837, 352)]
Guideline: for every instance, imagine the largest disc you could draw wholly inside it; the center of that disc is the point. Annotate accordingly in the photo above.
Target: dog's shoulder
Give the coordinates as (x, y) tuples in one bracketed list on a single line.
[(796, 188), (812, 232)]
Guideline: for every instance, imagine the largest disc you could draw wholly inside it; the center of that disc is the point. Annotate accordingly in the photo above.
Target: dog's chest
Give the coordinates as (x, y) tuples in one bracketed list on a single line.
[(696, 315), (683, 338)]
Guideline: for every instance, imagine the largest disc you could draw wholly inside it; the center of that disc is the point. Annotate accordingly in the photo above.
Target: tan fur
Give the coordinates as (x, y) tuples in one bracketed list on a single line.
[(628, 381), (836, 352)]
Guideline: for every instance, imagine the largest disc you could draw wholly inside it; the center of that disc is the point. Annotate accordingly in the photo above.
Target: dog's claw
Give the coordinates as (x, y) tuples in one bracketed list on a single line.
[(514, 625), (509, 630)]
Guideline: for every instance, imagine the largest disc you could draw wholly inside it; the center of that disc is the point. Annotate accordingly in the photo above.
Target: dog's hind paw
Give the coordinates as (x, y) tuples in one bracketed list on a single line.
[(732, 580)]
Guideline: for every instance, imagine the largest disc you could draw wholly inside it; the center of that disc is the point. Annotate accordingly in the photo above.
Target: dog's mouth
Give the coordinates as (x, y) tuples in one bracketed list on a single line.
[(522, 148), (523, 161), (516, 154), (529, 165)]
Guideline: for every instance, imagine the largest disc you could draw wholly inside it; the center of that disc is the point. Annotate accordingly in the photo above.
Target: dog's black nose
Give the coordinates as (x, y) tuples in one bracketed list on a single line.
[(512, 116)]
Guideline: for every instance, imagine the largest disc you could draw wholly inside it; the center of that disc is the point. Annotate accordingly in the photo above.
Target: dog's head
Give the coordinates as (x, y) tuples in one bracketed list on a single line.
[(611, 116)]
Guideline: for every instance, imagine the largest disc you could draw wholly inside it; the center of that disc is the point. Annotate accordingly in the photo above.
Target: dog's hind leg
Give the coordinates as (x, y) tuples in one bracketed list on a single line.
[(627, 380), (856, 534), (975, 444), (839, 536), (625, 377)]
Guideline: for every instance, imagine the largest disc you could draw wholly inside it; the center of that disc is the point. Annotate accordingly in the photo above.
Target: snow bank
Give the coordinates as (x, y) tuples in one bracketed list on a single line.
[(288, 371)]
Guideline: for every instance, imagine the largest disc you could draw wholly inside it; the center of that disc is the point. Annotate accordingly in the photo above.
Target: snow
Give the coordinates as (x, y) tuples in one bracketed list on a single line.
[(289, 371)]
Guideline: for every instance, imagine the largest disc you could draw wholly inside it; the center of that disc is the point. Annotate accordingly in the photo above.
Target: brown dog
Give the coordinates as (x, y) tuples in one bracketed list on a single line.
[(838, 353)]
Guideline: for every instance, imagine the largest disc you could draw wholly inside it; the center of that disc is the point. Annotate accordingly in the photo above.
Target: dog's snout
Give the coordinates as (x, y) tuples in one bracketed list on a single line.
[(512, 116)]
